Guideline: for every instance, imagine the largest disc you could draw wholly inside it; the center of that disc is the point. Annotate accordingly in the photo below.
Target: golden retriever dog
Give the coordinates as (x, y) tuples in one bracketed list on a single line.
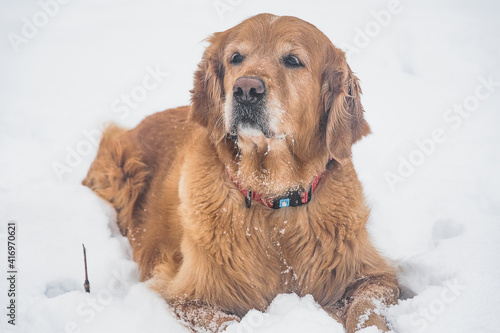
[(250, 191)]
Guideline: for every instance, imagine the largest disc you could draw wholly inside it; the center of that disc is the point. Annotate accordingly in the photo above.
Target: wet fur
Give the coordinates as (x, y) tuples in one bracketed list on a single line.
[(192, 236)]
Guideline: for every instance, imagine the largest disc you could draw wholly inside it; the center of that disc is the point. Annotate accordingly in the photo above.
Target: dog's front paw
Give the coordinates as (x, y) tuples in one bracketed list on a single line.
[(198, 316), (222, 320), (362, 314)]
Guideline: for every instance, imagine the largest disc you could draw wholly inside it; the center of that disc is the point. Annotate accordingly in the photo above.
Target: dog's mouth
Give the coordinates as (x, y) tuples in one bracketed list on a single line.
[(251, 122), (251, 129)]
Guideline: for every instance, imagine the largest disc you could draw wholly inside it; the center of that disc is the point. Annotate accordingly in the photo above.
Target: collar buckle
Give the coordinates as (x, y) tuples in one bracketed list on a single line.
[(248, 199)]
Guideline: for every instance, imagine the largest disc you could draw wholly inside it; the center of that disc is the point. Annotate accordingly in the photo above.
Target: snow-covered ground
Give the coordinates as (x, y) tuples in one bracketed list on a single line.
[(431, 81)]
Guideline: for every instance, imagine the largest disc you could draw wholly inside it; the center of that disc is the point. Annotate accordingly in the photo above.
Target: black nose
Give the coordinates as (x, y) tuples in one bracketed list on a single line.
[(248, 90)]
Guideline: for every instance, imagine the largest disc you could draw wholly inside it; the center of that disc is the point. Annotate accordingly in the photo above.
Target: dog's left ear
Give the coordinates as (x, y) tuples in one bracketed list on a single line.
[(208, 91), (341, 98)]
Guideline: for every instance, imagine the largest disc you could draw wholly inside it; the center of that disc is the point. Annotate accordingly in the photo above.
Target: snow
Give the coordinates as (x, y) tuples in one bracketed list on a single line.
[(424, 68), (288, 313)]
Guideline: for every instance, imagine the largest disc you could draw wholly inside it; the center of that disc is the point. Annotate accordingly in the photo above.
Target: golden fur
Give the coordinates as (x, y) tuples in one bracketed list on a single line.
[(171, 182)]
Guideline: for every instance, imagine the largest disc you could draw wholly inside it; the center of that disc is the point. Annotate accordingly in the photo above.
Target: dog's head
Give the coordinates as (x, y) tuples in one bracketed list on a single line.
[(278, 84)]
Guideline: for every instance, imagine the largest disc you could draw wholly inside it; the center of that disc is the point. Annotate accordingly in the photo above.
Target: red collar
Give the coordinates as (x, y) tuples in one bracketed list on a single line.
[(290, 199)]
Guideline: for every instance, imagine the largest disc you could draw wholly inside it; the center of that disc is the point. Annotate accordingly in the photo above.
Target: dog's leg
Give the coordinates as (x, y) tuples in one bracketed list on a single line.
[(361, 302), (198, 316)]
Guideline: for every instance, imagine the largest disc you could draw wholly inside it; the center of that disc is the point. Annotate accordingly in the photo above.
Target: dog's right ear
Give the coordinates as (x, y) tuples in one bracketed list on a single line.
[(208, 92)]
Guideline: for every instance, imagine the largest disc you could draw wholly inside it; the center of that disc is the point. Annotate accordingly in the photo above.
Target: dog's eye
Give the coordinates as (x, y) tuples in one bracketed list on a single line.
[(236, 58), (292, 61)]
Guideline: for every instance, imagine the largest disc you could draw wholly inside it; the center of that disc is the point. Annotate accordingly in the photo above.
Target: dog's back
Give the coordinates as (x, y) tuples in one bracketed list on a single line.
[(129, 164)]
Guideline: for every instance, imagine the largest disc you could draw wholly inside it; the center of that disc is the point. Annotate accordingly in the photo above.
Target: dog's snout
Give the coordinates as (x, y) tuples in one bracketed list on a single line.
[(248, 90)]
